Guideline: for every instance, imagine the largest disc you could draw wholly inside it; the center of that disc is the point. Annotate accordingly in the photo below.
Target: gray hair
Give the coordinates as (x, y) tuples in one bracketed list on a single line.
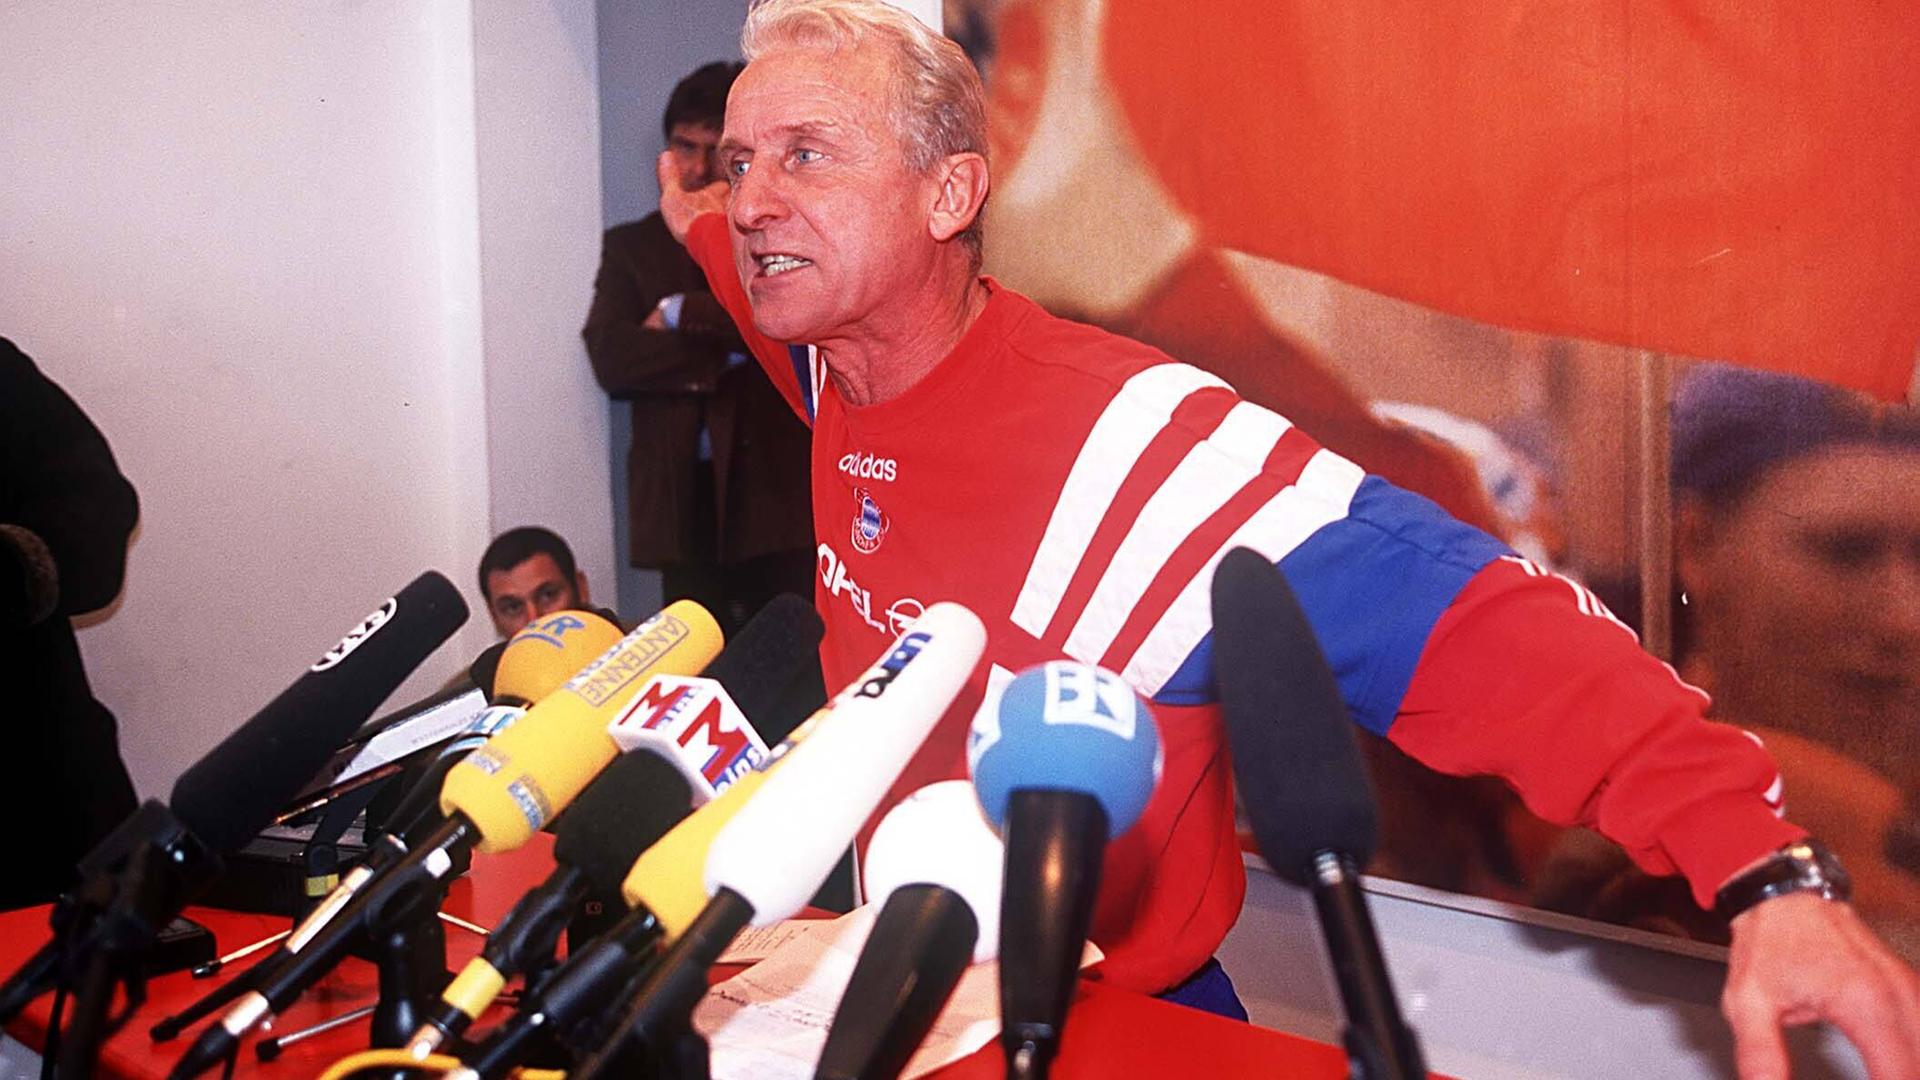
[(939, 105)]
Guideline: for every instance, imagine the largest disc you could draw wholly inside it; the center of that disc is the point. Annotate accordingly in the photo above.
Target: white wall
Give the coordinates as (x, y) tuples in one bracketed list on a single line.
[(292, 262), (538, 120)]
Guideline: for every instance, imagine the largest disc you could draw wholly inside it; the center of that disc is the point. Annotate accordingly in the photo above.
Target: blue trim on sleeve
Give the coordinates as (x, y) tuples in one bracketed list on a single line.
[(1372, 584), (803, 374)]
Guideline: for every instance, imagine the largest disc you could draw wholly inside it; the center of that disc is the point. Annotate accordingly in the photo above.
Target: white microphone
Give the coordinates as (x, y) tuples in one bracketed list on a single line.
[(780, 848), (940, 836), (773, 855)]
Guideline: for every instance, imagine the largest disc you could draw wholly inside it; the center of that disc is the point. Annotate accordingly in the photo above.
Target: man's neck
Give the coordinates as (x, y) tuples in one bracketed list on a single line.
[(890, 360)]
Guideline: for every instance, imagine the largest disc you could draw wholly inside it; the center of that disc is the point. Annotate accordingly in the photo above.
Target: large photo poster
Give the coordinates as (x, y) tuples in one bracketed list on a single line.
[(1630, 286)]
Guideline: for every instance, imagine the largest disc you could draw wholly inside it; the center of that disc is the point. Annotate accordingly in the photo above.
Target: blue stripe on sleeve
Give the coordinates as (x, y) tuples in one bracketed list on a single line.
[(1372, 584)]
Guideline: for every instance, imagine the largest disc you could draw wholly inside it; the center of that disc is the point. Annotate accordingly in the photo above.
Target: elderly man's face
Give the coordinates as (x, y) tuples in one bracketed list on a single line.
[(830, 226)]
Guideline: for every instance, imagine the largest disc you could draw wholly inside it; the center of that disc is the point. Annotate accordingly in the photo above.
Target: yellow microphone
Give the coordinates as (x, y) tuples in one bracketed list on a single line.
[(666, 888), (669, 878), (547, 652), (513, 785)]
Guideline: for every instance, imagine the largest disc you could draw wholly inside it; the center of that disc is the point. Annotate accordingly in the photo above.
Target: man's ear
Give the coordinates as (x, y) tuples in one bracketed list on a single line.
[(963, 184), (580, 588)]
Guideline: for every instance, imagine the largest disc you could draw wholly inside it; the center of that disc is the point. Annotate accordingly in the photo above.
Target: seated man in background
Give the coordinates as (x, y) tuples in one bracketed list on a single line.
[(66, 515), (526, 573)]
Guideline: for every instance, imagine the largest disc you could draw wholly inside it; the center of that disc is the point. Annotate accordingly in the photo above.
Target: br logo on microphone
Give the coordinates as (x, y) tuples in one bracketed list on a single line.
[(552, 628), (1067, 726), (368, 627), (693, 724), (1090, 696)]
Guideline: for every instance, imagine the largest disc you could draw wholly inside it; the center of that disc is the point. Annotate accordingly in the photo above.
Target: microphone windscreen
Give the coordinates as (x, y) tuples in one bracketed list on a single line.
[(516, 783), (762, 661), (1067, 726), (1295, 760), (625, 811), (235, 790), (938, 836), (547, 652)]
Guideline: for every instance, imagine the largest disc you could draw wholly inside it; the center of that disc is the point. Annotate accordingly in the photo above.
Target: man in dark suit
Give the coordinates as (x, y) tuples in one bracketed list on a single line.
[(717, 473), (66, 515)]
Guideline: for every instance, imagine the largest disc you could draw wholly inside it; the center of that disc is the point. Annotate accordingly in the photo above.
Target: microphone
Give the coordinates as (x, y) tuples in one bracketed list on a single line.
[(664, 892), (936, 864), (774, 854), (493, 799), (1064, 762), (525, 668), (622, 813), (1306, 792), (602, 626), (231, 792), (664, 889), (641, 796), (234, 790), (547, 652), (702, 725), (535, 662)]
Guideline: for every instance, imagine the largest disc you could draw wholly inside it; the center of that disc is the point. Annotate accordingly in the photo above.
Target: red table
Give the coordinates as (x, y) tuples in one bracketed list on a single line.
[(1113, 1032)]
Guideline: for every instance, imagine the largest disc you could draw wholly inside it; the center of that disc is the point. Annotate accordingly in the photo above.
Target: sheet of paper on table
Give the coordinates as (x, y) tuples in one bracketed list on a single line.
[(770, 1021)]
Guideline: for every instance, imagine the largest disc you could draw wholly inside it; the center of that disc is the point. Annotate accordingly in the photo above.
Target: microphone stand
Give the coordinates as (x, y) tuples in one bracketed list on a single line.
[(685, 1056), (320, 858), (1377, 1038), (132, 911), (172, 861), (408, 945)]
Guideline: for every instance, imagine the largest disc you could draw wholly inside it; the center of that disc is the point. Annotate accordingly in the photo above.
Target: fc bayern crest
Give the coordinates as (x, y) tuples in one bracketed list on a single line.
[(870, 523)]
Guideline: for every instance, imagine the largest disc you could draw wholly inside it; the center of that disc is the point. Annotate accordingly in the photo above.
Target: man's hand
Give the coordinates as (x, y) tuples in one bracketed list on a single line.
[(1800, 958), (678, 208)]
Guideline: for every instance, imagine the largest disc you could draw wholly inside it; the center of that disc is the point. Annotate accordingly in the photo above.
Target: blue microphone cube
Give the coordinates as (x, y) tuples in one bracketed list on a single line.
[(1067, 726)]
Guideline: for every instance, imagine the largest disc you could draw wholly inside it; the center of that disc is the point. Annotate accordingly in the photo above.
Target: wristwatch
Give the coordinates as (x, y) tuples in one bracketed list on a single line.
[(1802, 866)]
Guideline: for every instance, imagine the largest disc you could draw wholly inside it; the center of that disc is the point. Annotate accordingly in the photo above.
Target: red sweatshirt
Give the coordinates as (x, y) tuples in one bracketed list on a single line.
[(1076, 489)]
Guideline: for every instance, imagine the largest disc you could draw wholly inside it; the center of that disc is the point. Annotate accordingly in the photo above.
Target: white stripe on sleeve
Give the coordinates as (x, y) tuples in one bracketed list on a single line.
[(1321, 496), (1213, 471), (1136, 414)]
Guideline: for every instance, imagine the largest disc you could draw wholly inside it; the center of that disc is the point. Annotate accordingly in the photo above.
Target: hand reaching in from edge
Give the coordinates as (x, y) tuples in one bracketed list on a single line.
[(1800, 958), (678, 207)]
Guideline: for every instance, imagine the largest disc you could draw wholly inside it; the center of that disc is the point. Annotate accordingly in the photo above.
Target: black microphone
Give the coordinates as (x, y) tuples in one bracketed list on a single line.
[(618, 816), (1306, 792), (515, 673), (1067, 761), (937, 863), (234, 791), (921, 943)]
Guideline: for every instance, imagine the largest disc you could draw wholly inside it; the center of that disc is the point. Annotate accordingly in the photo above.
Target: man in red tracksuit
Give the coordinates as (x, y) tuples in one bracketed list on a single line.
[(1075, 490)]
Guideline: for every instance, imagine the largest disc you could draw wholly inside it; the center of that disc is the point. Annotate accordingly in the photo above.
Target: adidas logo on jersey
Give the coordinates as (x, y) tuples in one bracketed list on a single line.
[(868, 467)]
